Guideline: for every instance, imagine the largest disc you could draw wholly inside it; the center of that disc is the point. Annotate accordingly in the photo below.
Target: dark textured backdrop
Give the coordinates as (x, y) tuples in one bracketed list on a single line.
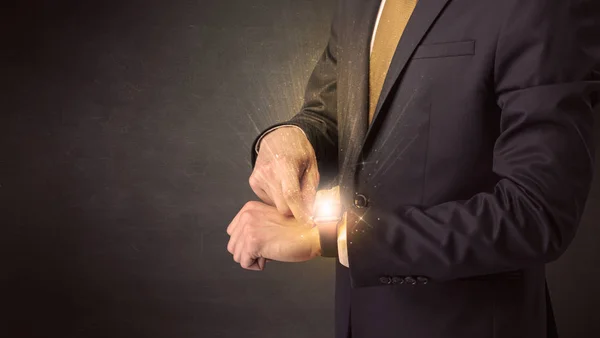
[(125, 129)]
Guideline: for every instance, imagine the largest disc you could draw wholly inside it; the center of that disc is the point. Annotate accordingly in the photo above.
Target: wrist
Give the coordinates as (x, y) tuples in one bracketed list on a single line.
[(269, 134), (315, 240)]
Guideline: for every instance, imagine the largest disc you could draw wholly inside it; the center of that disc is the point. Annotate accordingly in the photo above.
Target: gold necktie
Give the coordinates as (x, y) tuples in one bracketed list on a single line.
[(393, 20)]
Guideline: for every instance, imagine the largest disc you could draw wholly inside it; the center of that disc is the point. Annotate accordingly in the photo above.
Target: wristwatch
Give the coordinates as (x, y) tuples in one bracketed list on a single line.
[(327, 213)]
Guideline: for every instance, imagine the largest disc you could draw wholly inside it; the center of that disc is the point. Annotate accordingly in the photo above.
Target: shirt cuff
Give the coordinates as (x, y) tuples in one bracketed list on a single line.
[(257, 146), (342, 243)]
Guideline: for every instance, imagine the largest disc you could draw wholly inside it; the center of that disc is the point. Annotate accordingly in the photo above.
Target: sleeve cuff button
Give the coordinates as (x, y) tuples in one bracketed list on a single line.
[(385, 280)]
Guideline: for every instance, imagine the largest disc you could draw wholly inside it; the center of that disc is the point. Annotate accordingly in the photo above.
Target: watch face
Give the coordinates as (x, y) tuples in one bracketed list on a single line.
[(327, 207)]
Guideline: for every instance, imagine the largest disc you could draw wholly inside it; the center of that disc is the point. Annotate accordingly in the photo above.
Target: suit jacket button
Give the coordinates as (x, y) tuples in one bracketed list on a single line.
[(423, 280), (410, 281), (385, 280), (397, 280), (360, 201)]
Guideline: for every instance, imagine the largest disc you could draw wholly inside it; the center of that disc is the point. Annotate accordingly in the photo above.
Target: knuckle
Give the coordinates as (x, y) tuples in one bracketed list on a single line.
[(254, 181), (246, 217), (248, 207), (250, 230)]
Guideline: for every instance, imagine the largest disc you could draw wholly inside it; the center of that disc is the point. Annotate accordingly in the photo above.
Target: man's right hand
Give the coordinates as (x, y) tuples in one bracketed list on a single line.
[(285, 173)]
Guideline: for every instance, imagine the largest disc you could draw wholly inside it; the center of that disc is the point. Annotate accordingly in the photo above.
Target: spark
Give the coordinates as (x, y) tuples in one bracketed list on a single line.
[(362, 218), (253, 123), (400, 116), (399, 155), (386, 164)]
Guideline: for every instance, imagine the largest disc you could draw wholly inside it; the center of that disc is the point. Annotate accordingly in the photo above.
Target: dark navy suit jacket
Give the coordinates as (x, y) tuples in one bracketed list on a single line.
[(475, 171)]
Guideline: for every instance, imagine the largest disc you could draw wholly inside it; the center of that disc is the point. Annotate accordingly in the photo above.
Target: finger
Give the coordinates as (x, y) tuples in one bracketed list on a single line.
[(234, 223), (279, 200), (309, 185), (248, 254), (253, 267), (237, 238), (231, 231), (248, 261), (242, 239), (233, 243), (237, 251), (249, 206), (237, 245), (268, 189), (293, 197), (233, 246), (257, 183), (262, 263), (262, 194), (230, 246)]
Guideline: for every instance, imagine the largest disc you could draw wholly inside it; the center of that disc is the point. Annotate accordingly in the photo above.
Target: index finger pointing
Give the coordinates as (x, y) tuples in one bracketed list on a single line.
[(293, 197)]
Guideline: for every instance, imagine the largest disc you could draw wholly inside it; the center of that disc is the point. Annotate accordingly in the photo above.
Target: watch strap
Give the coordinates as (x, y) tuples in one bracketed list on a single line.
[(328, 239)]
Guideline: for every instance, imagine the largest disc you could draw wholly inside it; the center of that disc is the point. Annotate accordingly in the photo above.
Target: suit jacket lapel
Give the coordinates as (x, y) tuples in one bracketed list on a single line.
[(355, 91), (421, 20)]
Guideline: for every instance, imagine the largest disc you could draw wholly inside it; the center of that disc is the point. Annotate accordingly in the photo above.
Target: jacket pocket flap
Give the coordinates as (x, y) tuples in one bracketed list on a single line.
[(445, 49)]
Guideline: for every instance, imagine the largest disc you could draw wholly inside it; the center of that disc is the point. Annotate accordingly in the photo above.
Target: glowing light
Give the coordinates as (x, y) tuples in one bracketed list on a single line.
[(327, 205)]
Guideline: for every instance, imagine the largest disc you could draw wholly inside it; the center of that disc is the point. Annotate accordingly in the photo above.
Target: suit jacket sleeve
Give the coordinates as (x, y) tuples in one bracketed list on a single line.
[(547, 84), (318, 115), (318, 120)]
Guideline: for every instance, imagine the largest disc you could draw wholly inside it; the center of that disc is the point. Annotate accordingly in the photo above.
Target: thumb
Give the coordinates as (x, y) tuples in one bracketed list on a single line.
[(261, 262)]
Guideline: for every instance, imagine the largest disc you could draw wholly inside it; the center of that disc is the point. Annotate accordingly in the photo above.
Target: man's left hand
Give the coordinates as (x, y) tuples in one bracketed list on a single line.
[(260, 231)]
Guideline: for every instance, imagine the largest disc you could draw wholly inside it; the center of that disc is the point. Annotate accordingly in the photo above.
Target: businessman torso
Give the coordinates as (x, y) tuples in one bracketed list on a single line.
[(433, 139), (475, 169)]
